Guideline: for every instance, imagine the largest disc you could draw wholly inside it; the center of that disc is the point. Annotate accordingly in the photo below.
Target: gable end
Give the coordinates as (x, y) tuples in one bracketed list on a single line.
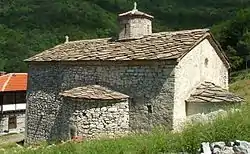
[(214, 44)]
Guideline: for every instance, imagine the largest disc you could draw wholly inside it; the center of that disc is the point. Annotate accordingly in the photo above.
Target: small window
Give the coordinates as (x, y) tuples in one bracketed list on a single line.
[(12, 122), (148, 28), (149, 108), (126, 29), (206, 62)]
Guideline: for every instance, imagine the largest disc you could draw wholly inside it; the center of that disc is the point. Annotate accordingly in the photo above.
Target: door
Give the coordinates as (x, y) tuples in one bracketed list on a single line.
[(12, 122)]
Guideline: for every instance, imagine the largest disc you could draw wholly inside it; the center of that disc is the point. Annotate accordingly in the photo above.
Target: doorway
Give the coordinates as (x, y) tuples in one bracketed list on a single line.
[(12, 124)]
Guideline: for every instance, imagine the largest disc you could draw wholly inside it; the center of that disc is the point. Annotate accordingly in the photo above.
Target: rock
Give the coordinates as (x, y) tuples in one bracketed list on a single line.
[(112, 109), (104, 109), (85, 126), (237, 147), (100, 126), (205, 148), (216, 150), (226, 150), (218, 145), (242, 146)]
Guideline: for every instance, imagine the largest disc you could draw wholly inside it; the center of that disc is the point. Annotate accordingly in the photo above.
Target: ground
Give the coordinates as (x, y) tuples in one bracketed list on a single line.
[(11, 138)]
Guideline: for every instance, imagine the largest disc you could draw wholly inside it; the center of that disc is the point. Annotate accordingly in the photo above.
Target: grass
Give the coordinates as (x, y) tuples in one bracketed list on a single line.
[(240, 75), (235, 126)]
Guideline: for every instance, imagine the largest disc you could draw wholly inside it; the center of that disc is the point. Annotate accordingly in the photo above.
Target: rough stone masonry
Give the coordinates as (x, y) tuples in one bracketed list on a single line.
[(146, 85), (95, 118), (93, 111)]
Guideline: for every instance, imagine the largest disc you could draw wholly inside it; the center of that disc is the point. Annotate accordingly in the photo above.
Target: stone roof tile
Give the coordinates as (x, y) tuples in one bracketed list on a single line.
[(94, 92), (158, 46), (208, 92)]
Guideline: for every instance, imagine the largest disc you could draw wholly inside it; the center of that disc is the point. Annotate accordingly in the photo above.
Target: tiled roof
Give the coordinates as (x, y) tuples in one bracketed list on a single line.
[(209, 92), (13, 82), (158, 46), (94, 92)]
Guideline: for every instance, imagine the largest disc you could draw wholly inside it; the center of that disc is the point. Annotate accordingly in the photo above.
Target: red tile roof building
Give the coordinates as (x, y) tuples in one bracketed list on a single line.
[(12, 102), (13, 82)]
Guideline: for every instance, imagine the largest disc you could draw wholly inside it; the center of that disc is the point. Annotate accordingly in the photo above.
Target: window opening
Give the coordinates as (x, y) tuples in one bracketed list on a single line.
[(206, 62), (148, 28), (149, 108), (12, 122), (125, 28)]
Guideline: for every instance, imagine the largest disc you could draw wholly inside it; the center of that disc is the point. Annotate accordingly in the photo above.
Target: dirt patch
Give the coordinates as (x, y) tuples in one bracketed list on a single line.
[(11, 138)]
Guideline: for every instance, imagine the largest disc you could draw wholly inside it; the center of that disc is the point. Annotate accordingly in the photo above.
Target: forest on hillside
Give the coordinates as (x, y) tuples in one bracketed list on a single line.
[(28, 27)]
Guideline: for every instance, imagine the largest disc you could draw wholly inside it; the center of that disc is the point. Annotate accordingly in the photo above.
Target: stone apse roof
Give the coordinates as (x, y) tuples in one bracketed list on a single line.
[(94, 92), (209, 92), (157, 46)]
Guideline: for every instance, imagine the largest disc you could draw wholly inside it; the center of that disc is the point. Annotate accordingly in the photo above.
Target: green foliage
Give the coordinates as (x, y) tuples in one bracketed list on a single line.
[(234, 38), (28, 26)]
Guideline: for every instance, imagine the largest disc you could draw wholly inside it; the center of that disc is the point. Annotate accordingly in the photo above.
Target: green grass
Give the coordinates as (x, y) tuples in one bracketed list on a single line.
[(235, 126), (240, 75)]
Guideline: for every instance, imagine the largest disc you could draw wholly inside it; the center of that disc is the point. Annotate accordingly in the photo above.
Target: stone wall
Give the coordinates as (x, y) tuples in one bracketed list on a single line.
[(201, 64), (135, 28), (94, 118), (149, 85), (4, 121)]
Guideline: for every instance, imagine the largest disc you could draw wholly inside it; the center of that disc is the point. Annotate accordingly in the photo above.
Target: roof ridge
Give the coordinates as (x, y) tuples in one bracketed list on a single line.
[(20, 73), (88, 40), (184, 30), (6, 82), (13, 73), (157, 33), (163, 32)]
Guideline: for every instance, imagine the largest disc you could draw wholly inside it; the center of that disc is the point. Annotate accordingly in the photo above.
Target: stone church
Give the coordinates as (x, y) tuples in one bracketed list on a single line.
[(134, 82)]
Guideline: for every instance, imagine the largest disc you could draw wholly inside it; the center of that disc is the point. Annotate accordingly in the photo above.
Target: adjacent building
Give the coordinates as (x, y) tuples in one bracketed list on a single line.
[(12, 102)]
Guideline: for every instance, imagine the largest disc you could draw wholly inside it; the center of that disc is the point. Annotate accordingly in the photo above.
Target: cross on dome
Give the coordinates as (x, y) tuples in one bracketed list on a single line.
[(66, 39)]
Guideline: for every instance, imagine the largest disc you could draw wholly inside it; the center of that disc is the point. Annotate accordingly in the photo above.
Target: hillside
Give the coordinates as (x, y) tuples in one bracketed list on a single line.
[(28, 27)]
